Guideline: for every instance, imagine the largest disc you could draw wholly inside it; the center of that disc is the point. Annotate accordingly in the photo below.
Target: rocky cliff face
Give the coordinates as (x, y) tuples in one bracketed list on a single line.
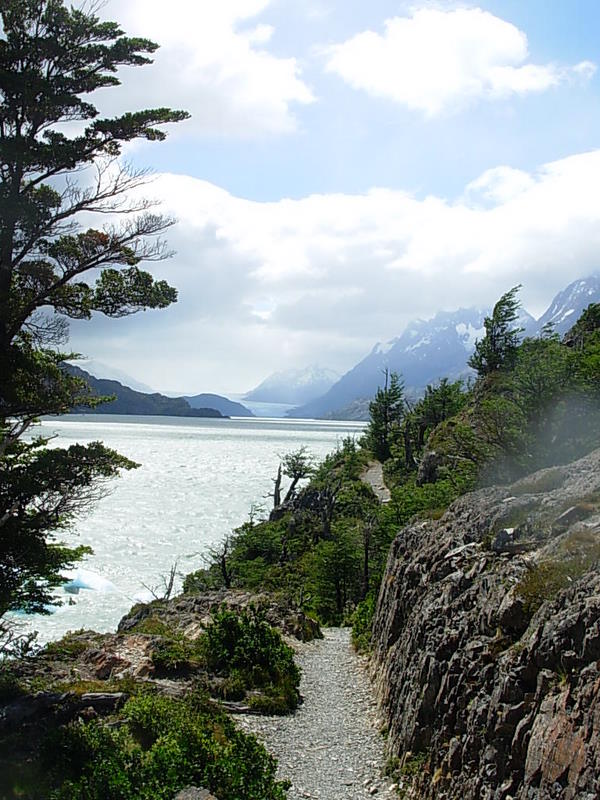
[(487, 643)]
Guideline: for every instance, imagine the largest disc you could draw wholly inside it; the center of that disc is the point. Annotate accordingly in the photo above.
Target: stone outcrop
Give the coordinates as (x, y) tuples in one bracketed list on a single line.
[(487, 643), (191, 793), (190, 613)]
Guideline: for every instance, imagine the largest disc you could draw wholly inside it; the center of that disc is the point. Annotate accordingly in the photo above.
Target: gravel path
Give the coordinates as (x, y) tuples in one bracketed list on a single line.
[(373, 477), (331, 747)]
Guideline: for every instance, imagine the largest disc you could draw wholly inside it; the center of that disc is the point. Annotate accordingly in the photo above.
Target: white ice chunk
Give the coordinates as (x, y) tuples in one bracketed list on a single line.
[(86, 579)]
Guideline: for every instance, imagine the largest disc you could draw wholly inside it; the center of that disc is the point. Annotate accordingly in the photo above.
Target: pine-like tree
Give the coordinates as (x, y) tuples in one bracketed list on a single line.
[(52, 268), (497, 350), (386, 411)]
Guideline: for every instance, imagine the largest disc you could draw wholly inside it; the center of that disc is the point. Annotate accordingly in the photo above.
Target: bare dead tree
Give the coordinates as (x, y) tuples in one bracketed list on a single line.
[(164, 591), (219, 555)]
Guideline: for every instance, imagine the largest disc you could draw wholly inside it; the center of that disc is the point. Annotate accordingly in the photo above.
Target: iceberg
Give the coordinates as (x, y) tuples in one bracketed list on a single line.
[(86, 579)]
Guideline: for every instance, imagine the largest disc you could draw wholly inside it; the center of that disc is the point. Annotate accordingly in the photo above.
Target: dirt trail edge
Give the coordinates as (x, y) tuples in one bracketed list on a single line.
[(373, 477), (331, 748)]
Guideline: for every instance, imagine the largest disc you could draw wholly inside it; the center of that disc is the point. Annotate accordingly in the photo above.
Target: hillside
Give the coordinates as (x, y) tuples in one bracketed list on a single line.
[(128, 401), (227, 407)]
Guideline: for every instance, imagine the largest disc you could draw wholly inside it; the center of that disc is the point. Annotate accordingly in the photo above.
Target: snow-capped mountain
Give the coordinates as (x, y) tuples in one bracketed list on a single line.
[(567, 306), (294, 386), (440, 347), (426, 351)]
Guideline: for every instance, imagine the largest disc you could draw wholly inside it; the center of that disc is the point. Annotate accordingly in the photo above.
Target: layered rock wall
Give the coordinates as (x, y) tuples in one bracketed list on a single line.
[(487, 643)]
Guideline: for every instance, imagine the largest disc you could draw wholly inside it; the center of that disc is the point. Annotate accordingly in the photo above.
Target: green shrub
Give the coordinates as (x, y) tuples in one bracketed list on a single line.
[(175, 655), (362, 624), (544, 581), (244, 645), (72, 644), (161, 746), (153, 626)]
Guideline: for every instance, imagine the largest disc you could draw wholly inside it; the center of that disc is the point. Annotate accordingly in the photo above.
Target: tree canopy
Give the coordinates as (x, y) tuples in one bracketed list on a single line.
[(498, 347), (59, 159)]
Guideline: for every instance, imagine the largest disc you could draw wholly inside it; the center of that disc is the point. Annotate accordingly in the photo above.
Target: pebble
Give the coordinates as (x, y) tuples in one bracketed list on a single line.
[(330, 748)]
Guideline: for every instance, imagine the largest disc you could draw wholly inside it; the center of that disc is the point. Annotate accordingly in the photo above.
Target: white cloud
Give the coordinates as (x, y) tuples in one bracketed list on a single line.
[(323, 278), (435, 60), (498, 185), (213, 62)]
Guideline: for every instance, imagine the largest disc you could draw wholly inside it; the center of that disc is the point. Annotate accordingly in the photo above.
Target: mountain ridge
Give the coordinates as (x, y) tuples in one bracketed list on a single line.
[(428, 350), (129, 401)]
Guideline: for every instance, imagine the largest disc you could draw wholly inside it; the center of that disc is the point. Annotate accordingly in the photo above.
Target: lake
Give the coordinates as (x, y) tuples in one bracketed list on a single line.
[(198, 480)]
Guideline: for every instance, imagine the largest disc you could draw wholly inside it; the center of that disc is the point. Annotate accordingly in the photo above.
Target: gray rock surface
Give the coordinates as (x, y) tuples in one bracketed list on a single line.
[(331, 748), (191, 793), (487, 643), (189, 613)]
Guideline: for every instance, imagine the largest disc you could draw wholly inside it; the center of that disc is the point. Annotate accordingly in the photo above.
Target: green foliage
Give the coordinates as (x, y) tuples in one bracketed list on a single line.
[(161, 746), (497, 350), (535, 404), (386, 412), (584, 330), (410, 500), (362, 624), (42, 487), (244, 645), (174, 655), (413, 764), (296, 465), (69, 647), (10, 685), (441, 401), (240, 647), (333, 569), (151, 625), (539, 410), (51, 57), (577, 555)]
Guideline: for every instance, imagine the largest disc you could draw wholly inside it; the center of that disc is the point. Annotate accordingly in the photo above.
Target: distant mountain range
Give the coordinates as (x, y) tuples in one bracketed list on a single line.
[(568, 305), (425, 352), (128, 401), (440, 347), (294, 386)]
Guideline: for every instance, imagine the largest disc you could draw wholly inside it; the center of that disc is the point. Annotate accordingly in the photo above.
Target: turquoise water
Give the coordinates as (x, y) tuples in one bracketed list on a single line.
[(198, 479)]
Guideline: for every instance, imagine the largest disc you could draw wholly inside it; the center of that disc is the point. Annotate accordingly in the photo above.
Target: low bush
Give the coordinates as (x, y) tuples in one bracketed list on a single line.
[(544, 581), (160, 746), (242, 645), (10, 685), (362, 624)]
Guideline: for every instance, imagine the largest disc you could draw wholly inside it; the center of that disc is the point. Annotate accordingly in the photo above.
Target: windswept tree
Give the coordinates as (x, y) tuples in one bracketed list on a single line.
[(59, 159), (498, 348)]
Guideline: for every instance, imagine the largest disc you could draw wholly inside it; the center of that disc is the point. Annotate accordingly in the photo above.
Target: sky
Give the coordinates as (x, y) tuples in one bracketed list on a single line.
[(349, 167)]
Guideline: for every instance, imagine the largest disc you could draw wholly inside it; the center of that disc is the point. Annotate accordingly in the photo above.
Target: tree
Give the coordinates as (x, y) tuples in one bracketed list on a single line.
[(52, 268), (497, 350), (386, 411), (296, 465)]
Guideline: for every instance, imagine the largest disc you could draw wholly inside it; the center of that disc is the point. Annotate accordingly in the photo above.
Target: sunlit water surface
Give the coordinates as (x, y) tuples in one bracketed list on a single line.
[(197, 481)]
